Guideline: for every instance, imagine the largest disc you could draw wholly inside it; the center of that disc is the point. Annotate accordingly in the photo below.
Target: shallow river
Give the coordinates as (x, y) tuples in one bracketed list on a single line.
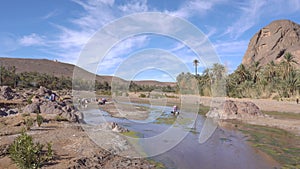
[(225, 149)]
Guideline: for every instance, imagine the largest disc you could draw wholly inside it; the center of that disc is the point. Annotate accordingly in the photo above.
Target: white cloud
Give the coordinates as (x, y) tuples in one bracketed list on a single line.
[(113, 58), (195, 7), (32, 40), (50, 15), (252, 11), (250, 14), (134, 6), (231, 48), (231, 52), (8, 42), (97, 13)]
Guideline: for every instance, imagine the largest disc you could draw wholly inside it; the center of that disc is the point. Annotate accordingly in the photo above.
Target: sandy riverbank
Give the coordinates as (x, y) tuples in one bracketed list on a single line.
[(287, 123), (72, 146)]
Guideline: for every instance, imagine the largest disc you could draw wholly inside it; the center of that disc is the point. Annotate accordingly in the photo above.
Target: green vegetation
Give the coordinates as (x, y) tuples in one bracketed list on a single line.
[(279, 144), (27, 154), (158, 165), (39, 119), (171, 96), (275, 81), (9, 77), (203, 110), (132, 134), (29, 123), (29, 99), (133, 87), (283, 115), (60, 118), (166, 120), (142, 95), (25, 114)]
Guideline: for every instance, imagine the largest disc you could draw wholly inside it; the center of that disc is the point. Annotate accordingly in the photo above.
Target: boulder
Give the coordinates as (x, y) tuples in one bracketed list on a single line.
[(68, 112), (12, 111), (3, 113), (35, 99), (235, 110), (113, 127), (42, 91), (32, 108), (70, 116), (6, 93), (51, 108)]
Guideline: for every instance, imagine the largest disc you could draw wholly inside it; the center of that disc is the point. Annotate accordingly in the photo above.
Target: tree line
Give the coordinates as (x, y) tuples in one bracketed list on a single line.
[(274, 80), (9, 77)]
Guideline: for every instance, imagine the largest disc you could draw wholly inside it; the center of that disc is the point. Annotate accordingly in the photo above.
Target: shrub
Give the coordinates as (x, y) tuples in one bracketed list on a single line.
[(25, 114), (60, 118), (142, 95), (29, 99), (29, 123), (27, 154), (39, 119)]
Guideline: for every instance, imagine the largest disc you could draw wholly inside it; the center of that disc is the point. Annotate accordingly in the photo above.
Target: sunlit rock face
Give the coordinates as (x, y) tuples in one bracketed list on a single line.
[(272, 42)]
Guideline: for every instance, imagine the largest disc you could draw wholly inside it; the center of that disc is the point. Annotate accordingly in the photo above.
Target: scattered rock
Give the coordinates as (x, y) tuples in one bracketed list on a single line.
[(6, 93), (50, 108), (67, 111), (42, 91), (114, 127), (4, 150), (235, 110), (35, 99), (32, 108), (3, 113), (70, 116), (12, 111)]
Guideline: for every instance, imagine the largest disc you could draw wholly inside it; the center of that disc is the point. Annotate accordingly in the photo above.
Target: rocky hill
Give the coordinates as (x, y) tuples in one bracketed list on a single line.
[(59, 69), (272, 42)]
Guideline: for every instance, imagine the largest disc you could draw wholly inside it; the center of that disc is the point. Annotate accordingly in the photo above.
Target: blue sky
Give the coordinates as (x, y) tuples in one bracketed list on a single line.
[(59, 29)]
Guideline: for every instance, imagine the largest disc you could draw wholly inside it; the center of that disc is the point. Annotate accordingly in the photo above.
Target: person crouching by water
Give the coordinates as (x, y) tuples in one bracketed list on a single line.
[(102, 102), (175, 110)]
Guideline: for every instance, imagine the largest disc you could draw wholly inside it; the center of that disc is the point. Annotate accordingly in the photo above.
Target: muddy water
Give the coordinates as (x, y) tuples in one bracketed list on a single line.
[(225, 149)]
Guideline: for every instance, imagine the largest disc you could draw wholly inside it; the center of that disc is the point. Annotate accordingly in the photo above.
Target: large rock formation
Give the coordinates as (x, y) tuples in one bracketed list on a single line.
[(235, 110), (272, 42)]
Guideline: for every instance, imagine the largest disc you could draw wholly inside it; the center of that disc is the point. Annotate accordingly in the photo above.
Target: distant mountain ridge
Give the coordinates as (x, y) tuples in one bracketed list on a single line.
[(58, 69), (272, 42)]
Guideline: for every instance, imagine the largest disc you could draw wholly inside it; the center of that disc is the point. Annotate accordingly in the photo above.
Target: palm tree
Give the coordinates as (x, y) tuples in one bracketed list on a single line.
[(270, 71), (243, 73), (292, 82), (196, 64), (289, 59), (255, 70)]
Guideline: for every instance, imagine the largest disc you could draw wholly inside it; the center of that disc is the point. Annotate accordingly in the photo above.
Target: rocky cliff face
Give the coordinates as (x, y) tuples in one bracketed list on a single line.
[(272, 42)]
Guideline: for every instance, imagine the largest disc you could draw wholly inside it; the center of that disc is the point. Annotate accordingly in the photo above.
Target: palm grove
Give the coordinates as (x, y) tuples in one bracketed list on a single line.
[(273, 80)]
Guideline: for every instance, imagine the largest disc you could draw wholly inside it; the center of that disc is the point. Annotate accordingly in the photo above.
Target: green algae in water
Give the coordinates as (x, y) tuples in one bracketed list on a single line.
[(132, 134), (281, 145), (165, 120), (158, 165)]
